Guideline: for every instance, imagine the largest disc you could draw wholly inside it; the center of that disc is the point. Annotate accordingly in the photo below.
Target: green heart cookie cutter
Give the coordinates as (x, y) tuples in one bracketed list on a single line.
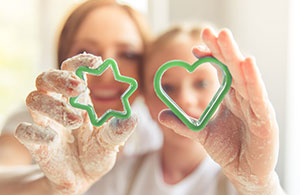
[(195, 125), (124, 98)]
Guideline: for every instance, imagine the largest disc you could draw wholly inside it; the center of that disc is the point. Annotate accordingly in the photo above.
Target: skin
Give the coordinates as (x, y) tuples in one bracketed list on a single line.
[(121, 41), (192, 92), (10, 145), (109, 37), (245, 124), (243, 135), (72, 153)]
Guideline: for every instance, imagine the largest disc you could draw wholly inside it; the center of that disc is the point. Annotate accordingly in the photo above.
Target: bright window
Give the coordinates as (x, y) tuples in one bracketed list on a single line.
[(18, 45)]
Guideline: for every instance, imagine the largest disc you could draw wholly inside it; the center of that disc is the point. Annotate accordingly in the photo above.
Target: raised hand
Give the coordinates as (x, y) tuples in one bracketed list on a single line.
[(71, 153), (243, 135)]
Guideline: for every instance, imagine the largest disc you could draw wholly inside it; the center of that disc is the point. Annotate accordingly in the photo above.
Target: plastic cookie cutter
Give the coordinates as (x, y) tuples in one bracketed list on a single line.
[(80, 72), (193, 124)]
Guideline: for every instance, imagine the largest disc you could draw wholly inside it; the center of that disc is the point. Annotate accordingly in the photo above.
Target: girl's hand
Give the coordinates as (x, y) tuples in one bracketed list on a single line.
[(243, 135), (71, 152)]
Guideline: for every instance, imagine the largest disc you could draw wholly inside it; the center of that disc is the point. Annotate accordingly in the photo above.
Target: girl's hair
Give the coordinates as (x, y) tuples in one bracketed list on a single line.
[(77, 16), (193, 31)]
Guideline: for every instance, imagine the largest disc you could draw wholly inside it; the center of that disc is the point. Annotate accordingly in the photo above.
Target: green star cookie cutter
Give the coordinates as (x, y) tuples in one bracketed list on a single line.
[(124, 97), (191, 123)]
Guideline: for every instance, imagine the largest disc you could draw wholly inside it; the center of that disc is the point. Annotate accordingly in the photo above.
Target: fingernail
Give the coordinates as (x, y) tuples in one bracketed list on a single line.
[(203, 48)]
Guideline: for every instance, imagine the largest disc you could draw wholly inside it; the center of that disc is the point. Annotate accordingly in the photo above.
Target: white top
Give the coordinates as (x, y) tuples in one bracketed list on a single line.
[(146, 128), (149, 179)]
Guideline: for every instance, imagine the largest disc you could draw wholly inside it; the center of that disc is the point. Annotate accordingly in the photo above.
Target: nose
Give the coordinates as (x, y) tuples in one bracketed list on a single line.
[(187, 98), (108, 74)]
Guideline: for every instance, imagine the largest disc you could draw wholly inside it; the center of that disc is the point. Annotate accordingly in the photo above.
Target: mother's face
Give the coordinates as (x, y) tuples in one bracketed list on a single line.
[(110, 33)]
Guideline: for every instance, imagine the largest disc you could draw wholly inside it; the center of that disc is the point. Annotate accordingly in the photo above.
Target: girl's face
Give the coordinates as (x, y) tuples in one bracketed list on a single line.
[(110, 33), (191, 91)]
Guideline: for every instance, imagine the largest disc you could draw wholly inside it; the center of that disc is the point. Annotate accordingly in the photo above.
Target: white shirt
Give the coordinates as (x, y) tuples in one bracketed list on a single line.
[(146, 128), (149, 180)]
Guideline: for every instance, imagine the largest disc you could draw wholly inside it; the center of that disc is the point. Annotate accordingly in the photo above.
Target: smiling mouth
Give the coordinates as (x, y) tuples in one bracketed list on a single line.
[(106, 95)]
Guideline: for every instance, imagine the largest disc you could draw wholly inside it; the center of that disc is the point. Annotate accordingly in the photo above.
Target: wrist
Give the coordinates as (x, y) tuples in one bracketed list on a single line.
[(250, 186)]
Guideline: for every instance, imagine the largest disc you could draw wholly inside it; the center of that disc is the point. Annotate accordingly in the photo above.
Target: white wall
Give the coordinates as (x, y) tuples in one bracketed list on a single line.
[(292, 170), (260, 28)]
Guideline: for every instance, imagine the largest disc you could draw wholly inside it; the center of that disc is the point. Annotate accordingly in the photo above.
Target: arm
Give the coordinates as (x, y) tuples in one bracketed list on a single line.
[(243, 135), (71, 152)]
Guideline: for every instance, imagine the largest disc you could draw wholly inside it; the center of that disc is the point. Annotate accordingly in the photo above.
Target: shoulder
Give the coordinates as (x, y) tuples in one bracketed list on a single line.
[(117, 180)]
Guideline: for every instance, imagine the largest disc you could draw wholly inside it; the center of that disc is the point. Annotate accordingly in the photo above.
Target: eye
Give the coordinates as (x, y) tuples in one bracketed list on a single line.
[(201, 84), (130, 55), (168, 88)]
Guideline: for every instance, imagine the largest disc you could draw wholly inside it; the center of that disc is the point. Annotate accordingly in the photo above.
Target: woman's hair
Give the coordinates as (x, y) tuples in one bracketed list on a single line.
[(77, 16)]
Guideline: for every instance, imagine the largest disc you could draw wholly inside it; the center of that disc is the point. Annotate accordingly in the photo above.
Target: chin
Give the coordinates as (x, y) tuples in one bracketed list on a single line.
[(101, 110)]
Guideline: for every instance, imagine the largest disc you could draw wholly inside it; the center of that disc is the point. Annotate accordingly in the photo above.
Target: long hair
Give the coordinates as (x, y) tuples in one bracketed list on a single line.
[(77, 16)]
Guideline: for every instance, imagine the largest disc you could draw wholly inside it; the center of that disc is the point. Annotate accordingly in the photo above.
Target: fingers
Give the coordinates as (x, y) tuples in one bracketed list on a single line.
[(117, 131), (229, 47), (61, 82), (84, 59), (201, 51), (38, 140), (233, 59), (29, 134), (210, 39), (54, 109), (260, 109), (170, 120), (99, 148), (53, 156), (254, 82)]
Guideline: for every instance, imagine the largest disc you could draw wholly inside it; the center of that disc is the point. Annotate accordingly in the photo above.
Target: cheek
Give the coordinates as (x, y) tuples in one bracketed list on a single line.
[(131, 70), (207, 96), (154, 104)]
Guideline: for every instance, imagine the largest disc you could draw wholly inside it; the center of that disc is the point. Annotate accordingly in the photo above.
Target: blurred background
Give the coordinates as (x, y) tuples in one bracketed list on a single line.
[(268, 30)]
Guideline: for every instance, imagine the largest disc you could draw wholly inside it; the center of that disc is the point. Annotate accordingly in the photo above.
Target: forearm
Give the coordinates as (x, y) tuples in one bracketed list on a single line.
[(34, 187), (271, 187)]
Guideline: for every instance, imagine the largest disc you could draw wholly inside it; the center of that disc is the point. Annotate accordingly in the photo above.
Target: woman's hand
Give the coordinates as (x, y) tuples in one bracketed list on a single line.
[(70, 151), (243, 135)]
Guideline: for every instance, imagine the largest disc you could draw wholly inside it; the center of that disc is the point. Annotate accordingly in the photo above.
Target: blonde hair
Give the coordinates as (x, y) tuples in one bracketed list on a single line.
[(193, 31), (77, 16)]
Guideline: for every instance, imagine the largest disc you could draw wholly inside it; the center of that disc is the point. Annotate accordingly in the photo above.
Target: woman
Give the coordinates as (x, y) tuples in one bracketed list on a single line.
[(120, 33), (74, 161)]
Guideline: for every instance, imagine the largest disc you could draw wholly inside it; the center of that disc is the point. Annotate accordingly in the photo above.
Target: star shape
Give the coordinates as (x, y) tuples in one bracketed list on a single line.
[(80, 72)]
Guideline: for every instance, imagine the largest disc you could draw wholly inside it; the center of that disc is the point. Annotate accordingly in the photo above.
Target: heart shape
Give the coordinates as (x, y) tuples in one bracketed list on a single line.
[(80, 72), (195, 125)]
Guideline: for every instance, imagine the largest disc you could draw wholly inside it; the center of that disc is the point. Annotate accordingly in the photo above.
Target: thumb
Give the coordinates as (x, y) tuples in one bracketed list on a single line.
[(170, 120), (117, 131), (102, 147)]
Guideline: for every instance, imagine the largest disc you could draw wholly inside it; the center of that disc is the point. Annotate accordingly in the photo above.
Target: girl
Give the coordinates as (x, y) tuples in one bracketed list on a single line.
[(243, 145)]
